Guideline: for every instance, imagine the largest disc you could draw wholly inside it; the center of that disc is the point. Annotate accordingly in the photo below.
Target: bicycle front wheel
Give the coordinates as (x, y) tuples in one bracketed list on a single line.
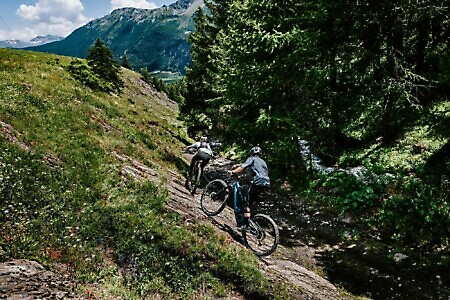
[(214, 197), (194, 181), (263, 236)]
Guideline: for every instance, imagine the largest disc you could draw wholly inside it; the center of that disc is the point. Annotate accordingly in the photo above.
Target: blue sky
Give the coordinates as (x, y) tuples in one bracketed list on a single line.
[(25, 19)]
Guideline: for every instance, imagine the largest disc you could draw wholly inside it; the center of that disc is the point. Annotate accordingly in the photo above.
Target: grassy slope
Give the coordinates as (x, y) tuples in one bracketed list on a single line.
[(66, 201)]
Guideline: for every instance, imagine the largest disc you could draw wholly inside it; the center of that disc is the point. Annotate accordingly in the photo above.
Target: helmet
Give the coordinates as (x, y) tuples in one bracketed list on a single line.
[(204, 139), (255, 150)]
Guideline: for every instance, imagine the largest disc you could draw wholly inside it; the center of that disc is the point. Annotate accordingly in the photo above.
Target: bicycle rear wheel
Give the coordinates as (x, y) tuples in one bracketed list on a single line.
[(263, 236), (214, 197)]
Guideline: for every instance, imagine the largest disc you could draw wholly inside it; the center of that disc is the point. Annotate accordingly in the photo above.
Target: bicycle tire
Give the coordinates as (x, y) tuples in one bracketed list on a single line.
[(263, 236), (214, 197)]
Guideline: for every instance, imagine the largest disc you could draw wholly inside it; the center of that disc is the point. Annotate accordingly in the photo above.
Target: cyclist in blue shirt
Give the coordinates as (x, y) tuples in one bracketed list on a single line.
[(260, 184)]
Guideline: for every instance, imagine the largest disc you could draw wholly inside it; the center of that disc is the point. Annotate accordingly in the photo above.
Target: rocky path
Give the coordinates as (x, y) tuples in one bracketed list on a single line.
[(286, 264)]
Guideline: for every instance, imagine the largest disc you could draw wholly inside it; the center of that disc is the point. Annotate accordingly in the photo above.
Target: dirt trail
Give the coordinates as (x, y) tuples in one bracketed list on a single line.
[(282, 265)]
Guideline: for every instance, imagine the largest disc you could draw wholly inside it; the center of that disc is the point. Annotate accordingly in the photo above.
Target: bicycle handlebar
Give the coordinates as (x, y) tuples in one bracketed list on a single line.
[(233, 177)]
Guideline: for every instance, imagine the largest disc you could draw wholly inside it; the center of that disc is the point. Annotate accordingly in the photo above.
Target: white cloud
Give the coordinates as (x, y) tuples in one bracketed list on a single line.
[(24, 34), (56, 17), (132, 3)]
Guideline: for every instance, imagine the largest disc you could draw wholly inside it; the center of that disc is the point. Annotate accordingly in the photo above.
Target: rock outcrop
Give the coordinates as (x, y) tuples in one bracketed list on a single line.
[(25, 279)]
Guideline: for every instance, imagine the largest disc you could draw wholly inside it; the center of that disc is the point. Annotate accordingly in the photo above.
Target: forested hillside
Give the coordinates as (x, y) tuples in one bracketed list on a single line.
[(365, 83)]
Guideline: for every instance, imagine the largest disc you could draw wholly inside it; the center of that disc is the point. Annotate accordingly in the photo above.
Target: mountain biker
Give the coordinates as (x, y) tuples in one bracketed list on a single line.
[(204, 153), (259, 186)]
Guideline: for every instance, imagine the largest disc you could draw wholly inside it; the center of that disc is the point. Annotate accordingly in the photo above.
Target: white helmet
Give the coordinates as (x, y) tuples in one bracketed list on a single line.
[(255, 150)]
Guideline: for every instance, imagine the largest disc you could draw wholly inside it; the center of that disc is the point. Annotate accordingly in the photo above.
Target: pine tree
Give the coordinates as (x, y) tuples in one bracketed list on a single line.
[(198, 80), (126, 63), (102, 63), (204, 83), (146, 75)]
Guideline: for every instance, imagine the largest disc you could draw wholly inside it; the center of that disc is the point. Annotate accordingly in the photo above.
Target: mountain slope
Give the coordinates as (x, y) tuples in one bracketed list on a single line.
[(155, 39), (83, 189)]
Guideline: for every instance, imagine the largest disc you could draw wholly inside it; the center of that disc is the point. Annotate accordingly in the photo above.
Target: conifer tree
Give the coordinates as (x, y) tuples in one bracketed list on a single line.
[(126, 63), (146, 75), (204, 80), (198, 75), (102, 63)]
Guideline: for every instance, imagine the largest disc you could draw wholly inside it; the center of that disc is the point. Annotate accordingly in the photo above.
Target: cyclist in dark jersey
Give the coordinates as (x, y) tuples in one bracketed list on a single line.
[(204, 153), (260, 184)]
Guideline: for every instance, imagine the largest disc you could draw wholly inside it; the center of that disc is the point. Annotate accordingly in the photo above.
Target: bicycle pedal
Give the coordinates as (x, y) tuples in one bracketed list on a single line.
[(243, 228)]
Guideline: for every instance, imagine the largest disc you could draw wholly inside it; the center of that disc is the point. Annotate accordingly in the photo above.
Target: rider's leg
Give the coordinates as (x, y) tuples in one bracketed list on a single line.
[(257, 193), (205, 159), (247, 206), (240, 203), (193, 160), (191, 167)]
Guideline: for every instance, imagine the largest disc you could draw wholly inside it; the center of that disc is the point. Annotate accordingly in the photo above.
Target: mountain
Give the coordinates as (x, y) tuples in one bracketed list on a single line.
[(37, 41), (155, 39)]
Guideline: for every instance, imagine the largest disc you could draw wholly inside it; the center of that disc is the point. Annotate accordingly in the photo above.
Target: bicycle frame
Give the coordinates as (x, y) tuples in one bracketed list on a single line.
[(241, 200)]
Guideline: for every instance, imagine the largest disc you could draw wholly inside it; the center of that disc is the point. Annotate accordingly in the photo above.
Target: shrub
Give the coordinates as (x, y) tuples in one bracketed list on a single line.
[(349, 193), (417, 213), (83, 73)]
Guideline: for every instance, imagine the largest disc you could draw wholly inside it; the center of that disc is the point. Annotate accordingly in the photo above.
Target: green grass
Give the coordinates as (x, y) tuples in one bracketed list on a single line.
[(427, 133), (64, 199)]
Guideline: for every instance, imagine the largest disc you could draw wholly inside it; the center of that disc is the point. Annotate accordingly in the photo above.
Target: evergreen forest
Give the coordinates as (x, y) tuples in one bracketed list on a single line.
[(365, 83)]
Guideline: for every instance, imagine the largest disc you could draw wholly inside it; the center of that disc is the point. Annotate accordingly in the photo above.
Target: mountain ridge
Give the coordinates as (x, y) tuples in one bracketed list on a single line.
[(155, 39), (36, 41)]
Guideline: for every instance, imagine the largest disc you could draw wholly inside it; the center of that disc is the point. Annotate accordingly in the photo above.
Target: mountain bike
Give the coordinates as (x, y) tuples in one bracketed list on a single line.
[(193, 181), (262, 235)]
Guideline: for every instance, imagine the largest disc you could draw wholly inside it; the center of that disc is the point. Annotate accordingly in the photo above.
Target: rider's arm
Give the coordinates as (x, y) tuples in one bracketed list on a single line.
[(242, 167), (237, 170), (194, 145)]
